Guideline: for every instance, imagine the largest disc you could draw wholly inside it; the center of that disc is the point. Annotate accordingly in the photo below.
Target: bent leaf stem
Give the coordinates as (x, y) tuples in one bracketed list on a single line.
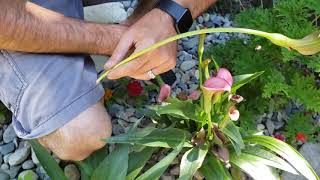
[(202, 39), (269, 36)]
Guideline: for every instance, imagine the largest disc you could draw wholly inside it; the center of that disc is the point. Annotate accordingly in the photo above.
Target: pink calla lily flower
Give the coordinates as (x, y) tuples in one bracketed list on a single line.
[(234, 114), (195, 95), (217, 84), (222, 82), (165, 92), (225, 74)]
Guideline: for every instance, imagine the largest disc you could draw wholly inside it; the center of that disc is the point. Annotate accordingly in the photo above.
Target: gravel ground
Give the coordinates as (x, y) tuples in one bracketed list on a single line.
[(17, 157)]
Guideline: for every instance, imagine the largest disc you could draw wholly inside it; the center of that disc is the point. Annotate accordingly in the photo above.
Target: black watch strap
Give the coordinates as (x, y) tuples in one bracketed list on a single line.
[(182, 16)]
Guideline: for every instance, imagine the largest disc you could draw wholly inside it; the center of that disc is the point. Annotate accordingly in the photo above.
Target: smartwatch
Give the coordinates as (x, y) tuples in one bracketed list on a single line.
[(182, 16)]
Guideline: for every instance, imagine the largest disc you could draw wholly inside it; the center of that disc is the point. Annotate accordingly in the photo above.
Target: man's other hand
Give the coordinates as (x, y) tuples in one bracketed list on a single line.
[(151, 28)]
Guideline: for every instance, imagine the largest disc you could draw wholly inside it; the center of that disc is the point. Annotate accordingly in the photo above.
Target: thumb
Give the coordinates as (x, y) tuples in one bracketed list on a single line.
[(119, 53)]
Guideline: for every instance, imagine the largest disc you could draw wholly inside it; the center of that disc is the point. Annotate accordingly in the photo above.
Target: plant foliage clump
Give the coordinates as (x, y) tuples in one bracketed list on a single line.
[(289, 76)]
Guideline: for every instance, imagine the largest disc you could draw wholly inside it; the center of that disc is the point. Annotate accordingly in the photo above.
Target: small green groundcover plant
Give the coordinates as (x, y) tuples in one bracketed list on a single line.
[(202, 128)]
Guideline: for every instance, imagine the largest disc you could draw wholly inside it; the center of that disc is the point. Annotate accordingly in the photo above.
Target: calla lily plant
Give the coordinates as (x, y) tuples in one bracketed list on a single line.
[(201, 131), (203, 127)]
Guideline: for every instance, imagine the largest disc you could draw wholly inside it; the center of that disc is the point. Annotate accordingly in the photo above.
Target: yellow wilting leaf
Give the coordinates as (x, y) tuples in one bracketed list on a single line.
[(309, 45)]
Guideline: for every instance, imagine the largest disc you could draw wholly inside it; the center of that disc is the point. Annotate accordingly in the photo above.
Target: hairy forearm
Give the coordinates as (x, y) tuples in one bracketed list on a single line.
[(27, 27), (196, 6)]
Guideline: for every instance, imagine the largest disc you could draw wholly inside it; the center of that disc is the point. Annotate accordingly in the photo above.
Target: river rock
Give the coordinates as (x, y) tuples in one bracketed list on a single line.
[(6, 148), (4, 176), (19, 156), (28, 164), (106, 13), (187, 65), (72, 172), (28, 175), (9, 134)]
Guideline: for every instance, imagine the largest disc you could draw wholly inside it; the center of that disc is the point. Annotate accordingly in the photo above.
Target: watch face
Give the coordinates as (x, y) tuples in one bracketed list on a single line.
[(185, 22)]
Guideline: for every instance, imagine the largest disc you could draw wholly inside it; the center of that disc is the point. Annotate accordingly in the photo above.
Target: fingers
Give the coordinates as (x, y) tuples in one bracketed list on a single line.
[(120, 52), (134, 67), (156, 71)]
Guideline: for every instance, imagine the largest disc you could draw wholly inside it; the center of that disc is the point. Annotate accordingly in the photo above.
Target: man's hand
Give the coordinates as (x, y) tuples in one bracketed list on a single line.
[(151, 28)]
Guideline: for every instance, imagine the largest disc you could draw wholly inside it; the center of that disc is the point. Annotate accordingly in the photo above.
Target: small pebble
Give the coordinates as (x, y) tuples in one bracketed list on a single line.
[(6, 148), (4, 176), (4, 166), (6, 157), (34, 157), (28, 164), (260, 127), (19, 156), (28, 175), (9, 134), (72, 172)]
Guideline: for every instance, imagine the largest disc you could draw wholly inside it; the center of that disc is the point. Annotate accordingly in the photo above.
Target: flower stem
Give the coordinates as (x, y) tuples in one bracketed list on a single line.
[(202, 38), (159, 80), (200, 56), (269, 36), (209, 125)]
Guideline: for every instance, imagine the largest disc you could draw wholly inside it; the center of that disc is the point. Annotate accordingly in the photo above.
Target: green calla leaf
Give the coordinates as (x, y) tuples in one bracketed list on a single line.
[(48, 163), (270, 159), (233, 133), (287, 152), (244, 79), (212, 169), (191, 161), (254, 167), (114, 166), (137, 161), (153, 137), (177, 108), (158, 169), (88, 165)]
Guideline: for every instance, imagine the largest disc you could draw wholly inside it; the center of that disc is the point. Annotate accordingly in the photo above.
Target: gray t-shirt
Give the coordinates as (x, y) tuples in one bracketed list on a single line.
[(63, 6)]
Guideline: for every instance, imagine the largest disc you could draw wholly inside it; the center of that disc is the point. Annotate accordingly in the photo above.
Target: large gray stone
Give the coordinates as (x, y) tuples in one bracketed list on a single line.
[(106, 13), (311, 152), (19, 156)]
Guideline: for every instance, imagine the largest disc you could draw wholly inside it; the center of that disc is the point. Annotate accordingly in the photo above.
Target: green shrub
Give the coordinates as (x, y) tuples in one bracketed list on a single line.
[(288, 75)]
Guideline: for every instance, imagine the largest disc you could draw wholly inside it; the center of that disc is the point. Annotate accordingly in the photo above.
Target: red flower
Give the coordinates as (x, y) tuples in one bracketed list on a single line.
[(301, 137), (134, 88), (280, 137)]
